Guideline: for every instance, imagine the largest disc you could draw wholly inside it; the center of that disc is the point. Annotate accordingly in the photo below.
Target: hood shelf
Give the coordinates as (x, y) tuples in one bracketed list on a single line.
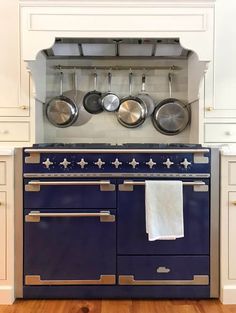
[(116, 48)]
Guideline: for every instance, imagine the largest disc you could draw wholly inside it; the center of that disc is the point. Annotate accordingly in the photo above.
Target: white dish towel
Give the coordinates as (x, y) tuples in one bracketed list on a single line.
[(164, 210)]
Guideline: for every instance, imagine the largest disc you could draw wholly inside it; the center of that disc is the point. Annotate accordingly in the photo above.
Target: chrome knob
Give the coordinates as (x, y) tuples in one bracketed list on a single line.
[(99, 163), (117, 163), (47, 163), (134, 163), (168, 163), (185, 163), (82, 163), (150, 163), (65, 163)]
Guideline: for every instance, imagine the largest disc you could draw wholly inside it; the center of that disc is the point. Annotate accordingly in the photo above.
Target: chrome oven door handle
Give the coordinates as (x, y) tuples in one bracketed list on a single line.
[(105, 185), (34, 216), (141, 183), (198, 186)]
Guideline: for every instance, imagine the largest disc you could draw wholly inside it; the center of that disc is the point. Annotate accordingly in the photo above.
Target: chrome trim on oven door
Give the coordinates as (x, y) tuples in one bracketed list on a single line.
[(34, 216), (36, 280), (197, 280), (128, 185), (34, 185)]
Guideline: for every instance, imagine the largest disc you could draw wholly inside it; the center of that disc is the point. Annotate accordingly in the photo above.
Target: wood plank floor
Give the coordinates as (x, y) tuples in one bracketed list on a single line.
[(117, 306)]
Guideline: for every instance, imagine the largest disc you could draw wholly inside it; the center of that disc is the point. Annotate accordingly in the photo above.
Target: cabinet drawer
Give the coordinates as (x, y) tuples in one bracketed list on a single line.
[(14, 131), (163, 270), (3, 229), (220, 132), (2, 173), (232, 173), (232, 235)]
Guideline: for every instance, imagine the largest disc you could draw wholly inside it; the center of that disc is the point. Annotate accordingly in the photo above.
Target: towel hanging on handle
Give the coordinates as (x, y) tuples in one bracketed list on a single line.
[(164, 210)]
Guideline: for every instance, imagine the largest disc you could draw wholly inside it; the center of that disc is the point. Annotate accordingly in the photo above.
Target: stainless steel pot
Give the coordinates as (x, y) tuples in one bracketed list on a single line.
[(147, 99), (171, 116), (110, 101), (132, 111), (61, 111)]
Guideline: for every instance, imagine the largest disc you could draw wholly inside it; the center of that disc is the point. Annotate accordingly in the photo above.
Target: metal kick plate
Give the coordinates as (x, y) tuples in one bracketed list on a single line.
[(197, 280), (37, 281)]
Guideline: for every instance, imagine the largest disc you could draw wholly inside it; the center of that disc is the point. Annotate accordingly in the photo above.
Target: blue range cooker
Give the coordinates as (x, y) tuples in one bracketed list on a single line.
[(82, 216)]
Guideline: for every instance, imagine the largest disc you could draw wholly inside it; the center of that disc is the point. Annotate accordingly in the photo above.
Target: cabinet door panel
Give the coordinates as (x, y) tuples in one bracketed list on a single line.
[(220, 78), (3, 235), (11, 102), (232, 235)]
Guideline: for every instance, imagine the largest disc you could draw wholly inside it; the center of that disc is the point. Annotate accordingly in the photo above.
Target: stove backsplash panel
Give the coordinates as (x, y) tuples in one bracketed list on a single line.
[(104, 127)]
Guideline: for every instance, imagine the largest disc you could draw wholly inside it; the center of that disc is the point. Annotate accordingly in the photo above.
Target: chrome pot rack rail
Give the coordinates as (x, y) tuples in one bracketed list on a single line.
[(118, 68)]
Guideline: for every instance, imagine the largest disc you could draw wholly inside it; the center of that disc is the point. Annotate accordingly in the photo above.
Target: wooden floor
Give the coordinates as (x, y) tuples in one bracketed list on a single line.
[(117, 306)]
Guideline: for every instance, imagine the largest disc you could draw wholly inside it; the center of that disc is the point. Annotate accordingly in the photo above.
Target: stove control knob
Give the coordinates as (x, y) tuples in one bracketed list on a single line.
[(65, 163), (117, 163), (168, 163), (150, 163), (134, 163), (82, 163), (99, 163), (185, 163), (47, 163)]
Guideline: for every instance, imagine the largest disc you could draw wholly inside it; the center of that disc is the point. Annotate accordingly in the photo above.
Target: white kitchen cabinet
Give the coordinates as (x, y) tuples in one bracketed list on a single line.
[(220, 80), (228, 230), (6, 226), (14, 99)]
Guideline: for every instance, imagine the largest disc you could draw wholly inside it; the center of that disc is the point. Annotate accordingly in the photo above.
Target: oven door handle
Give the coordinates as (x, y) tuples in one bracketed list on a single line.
[(105, 216), (187, 183), (128, 185), (105, 185)]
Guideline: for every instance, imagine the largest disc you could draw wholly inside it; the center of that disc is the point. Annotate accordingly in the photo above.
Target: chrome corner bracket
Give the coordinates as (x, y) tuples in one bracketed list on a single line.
[(199, 158), (33, 158)]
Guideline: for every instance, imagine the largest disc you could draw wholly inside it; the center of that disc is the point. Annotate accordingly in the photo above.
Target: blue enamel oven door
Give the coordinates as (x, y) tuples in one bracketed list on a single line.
[(69, 247), (132, 236)]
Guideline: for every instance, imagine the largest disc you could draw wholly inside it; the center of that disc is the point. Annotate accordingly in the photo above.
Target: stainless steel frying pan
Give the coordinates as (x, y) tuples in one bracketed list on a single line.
[(171, 116), (61, 111), (132, 111), (110, 101)]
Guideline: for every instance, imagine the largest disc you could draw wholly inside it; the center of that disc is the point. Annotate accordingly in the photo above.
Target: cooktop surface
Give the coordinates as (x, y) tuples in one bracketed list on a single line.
[(116, 146)]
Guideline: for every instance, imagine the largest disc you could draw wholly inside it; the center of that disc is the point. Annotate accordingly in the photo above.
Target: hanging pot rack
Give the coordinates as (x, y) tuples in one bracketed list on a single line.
[(118, 68)]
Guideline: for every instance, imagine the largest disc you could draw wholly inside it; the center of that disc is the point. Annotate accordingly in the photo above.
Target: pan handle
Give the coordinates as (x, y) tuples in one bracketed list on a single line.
[(75, 83), (143, 83), (170, 84), (130, 83), (61, 83), (109, 81), (95, 76)]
